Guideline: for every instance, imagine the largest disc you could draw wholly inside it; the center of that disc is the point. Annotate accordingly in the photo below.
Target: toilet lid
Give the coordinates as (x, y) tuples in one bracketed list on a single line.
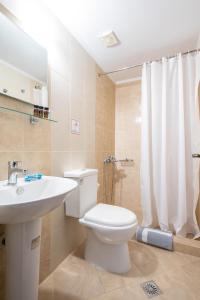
[(110, 215)]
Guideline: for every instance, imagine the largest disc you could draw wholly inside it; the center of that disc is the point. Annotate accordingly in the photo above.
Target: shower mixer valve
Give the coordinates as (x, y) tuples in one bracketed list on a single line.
[(109, 159)]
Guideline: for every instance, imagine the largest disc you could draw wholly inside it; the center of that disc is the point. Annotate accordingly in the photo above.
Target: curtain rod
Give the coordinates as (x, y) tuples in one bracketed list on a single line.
[(140, 65)]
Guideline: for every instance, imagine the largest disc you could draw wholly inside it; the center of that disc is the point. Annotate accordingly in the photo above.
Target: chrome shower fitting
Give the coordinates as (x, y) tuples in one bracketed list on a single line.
[(108, 178), (109, 159)]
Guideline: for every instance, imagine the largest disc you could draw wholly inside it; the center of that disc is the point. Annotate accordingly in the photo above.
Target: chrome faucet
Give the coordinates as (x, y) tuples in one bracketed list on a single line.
[(13, 171)]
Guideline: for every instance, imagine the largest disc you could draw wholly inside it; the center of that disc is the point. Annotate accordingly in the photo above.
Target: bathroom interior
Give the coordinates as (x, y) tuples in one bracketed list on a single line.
[(99, 149)]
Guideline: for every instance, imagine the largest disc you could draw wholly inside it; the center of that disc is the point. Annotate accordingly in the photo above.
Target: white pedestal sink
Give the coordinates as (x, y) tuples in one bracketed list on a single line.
[(21, 209)]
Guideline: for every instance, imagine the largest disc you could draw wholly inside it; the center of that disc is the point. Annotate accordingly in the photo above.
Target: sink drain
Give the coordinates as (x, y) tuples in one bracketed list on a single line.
[(151, 289), (20, 190)]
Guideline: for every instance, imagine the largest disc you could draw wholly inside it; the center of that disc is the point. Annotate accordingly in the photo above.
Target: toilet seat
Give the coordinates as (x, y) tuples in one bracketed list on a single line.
[(110, 215), (109, 228), (110, 218)]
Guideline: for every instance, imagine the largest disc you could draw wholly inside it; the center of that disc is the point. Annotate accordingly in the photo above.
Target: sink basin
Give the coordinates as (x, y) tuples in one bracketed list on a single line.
[(21, 209), (27, 201)]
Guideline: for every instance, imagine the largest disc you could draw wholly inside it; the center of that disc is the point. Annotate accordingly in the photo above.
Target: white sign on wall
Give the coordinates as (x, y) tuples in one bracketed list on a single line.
[(75, 127)]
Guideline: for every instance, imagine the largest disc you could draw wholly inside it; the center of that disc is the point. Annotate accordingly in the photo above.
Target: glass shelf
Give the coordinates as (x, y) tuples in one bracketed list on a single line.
[(33, 118)]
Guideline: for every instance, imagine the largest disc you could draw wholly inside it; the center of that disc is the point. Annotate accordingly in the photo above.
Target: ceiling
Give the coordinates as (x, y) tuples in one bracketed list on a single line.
[(147, 29)]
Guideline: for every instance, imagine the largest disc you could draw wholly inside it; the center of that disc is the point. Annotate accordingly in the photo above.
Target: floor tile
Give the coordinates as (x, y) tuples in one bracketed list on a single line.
[(176, 274), (126, 293)]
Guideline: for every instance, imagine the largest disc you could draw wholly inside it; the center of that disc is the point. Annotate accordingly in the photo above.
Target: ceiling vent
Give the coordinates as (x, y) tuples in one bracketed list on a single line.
[(110, 39)]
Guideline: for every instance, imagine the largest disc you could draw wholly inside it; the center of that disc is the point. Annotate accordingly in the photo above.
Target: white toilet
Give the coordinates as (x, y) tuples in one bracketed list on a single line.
[(109, 227)]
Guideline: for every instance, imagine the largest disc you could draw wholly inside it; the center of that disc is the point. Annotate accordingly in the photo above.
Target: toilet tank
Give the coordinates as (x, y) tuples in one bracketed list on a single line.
[(84, 197)]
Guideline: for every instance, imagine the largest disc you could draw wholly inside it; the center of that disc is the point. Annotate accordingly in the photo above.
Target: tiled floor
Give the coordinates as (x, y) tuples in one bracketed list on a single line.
[(176, 274)]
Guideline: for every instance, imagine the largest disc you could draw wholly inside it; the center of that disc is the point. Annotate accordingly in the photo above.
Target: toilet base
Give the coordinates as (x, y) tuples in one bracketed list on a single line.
[(113, 258)]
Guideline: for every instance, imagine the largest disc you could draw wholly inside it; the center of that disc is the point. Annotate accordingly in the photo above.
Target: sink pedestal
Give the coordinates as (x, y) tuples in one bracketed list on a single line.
[(21, 208), (23, 260)]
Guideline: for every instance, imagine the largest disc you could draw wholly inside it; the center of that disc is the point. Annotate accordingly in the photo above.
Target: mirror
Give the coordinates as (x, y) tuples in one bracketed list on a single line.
[(23, 65)]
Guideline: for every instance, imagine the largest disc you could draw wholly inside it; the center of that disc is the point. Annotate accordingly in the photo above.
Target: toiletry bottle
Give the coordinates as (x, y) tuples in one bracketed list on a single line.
[(41, 114), (36, 111), (46, 112)]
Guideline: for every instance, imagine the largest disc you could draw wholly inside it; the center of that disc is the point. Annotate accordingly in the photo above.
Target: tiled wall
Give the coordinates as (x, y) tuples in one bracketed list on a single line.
[(127, 145), (73, 96), (105, 134), (75, 92)]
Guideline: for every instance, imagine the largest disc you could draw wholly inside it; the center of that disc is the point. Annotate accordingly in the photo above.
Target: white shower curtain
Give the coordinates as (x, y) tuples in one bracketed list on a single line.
[(170, 134)]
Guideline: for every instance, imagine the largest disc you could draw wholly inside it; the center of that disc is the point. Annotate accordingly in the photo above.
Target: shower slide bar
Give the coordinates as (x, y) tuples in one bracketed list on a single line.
[(112, 159), (124, 160)]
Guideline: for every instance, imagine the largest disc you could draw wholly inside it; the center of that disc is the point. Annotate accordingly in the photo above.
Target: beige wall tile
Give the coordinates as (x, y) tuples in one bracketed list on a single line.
[(127, 145), (75, 92), (66, 233), (51, 148), (45, 251), (12, 127), (37, 137), (37, 162), (59, 93), (105, 134)]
